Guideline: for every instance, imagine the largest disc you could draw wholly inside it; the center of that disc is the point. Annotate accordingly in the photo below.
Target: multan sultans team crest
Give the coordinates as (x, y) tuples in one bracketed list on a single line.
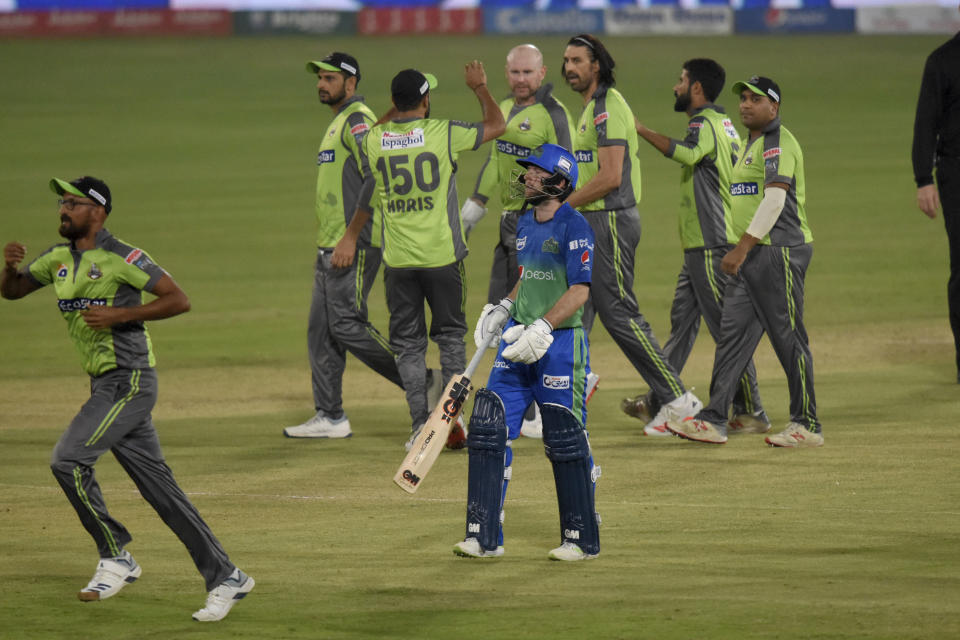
[(550, 245)]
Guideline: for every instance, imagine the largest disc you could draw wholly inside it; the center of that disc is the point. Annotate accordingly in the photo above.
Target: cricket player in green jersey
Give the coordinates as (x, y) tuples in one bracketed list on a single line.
[(347, 262), (706, 156), (767, 268), (99, 281), (534, 117), (608, 189), (414, 160)]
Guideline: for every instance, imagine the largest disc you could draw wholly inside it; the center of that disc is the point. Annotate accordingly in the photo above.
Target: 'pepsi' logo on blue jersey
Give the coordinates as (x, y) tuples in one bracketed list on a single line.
[(744, 189), (583, 155), (326, 156), (77, 304), (512, 149)]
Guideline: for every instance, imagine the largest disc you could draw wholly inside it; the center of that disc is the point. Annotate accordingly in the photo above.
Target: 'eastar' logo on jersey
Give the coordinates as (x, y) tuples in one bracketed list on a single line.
[(326, 156), (512, 149), (600, 119), (76, 304), (583, 155), (770, 153), (556, 382), (744, 189), (390, 140), (132, 256)]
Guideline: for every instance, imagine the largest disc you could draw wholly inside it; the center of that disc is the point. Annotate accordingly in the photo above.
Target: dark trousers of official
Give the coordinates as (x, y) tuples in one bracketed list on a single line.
[(117, 418), (505, 271), (616, 236), (766, 296), (948, 184), (444, 291), (338, 324)]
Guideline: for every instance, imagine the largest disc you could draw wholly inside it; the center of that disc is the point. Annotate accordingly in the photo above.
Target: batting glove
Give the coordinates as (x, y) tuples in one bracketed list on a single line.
[(529, 344), (490, 323), (470, 213)]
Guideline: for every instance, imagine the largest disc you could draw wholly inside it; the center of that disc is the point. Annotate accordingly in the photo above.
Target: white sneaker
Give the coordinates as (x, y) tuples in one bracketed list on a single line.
[(320, 426), (112, 574), (593, 382), (413, 436), (795, 436), (677, 410), (697, 431), (470, 548), (569, 552), (224, 596), (533, 428)]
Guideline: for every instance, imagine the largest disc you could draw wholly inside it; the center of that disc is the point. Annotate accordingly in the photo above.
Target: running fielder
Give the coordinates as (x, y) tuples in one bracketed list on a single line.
[(98, 280), (543, 356)]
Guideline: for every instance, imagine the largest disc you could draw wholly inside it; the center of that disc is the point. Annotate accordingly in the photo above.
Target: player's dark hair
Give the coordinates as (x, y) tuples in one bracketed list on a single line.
[(598, 53), (407, 103), (708, 73)]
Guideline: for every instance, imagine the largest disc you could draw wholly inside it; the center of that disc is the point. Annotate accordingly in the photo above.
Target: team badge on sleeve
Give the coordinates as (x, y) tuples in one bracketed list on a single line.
[(600, 119), (132, 256)]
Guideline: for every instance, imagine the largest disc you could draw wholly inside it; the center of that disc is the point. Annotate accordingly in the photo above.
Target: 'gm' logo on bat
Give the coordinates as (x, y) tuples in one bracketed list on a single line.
[(411, 477)]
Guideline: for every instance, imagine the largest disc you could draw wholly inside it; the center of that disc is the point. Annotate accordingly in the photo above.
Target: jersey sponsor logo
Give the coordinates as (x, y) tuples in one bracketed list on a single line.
[(550, 245), (695, 125), (359, 128), (390, 140), (409, 205), (94, 273), (512, 149), (525, 125), (583, 155), (580, 244), (521, 243), (62, 271), (500, 364), (533, 274), (327, 155), (556, 382), (771, 153), (729, 128), (600, 119), (132, 256), (744, 189), (585, 260), (76, 304)]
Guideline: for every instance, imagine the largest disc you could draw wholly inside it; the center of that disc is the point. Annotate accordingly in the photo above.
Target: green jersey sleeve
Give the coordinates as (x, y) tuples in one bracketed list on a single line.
[(701, 141)]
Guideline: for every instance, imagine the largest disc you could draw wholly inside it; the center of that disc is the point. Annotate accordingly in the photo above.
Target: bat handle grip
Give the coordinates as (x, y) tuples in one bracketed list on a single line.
[(478, 356)]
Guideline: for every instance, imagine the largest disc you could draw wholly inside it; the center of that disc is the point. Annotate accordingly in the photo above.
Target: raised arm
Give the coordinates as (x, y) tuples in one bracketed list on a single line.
[(493, 123), (14, 284)]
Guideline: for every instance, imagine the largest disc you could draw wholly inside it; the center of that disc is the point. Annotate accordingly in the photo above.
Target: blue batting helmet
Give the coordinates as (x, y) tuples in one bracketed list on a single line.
[(558, 162)]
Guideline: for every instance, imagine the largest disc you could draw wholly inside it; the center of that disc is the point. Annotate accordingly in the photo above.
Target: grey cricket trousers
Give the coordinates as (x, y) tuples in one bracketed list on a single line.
[(117, 418)]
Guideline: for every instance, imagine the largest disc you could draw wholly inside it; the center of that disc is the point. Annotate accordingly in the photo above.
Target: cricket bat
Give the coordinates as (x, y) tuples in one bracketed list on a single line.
[(433, 436)]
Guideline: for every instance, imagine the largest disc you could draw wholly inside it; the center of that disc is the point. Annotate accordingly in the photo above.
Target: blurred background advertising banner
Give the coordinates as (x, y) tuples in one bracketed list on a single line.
[(415, 20), (807, 20), (908, 19), (294, 22), (125, 22), (667, 20), (513, 20)]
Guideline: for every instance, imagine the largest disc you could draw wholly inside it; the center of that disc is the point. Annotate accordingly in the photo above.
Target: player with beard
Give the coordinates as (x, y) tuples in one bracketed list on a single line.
[(543, 355), (99, 281), (348, 254), (706, 156), (605, 146)]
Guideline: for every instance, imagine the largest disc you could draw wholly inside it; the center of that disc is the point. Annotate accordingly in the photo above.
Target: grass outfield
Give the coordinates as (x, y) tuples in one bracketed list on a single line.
[(209, 148)]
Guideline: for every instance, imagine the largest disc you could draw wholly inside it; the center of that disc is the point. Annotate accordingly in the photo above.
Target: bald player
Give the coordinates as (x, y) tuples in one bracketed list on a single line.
[(534, 117)]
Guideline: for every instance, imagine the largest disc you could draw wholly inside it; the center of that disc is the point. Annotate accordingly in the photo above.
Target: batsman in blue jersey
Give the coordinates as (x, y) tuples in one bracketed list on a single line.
[(542, 356)]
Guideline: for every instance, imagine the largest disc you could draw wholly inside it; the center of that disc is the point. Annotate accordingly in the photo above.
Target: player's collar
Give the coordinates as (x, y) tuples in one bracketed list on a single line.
[(774, 124)]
